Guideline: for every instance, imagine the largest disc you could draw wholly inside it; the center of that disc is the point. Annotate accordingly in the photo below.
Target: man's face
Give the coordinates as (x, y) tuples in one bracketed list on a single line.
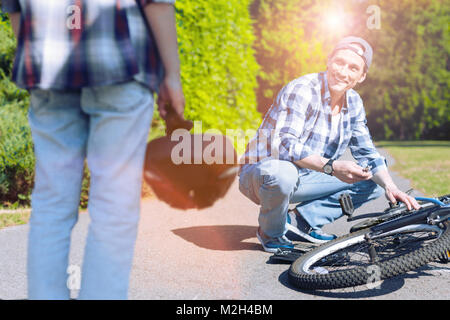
[(345, 70)]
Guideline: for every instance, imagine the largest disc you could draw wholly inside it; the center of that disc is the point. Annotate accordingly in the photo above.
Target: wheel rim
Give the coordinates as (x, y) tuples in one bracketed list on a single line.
[(356, 251)]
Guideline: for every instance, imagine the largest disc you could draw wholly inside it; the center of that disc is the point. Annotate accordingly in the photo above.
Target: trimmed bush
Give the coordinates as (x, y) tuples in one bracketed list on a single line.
[(16, 155), (16, 147), (218, 67)]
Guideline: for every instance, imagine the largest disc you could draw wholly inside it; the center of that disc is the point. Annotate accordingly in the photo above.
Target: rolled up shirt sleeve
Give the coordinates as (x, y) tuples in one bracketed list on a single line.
[(293, 108), (10, 6), (362, 147)]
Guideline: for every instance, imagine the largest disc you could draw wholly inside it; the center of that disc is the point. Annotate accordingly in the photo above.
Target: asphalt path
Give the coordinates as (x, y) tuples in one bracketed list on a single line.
[(214, 254)]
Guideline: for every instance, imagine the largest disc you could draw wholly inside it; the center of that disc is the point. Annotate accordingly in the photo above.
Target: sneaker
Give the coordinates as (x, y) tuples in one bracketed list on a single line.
[(300, 230), (273, 244)]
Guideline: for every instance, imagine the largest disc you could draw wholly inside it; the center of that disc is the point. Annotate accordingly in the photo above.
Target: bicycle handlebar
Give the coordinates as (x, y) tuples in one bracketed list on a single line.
[(433, 200)]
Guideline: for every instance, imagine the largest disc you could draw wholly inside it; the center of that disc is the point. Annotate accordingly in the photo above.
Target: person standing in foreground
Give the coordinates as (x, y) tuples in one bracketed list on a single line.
[(91, 68), (294, 157)]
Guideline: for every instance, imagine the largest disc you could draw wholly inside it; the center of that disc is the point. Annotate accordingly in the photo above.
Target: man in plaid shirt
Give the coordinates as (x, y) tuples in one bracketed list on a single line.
[(294, 156), (91, 68)]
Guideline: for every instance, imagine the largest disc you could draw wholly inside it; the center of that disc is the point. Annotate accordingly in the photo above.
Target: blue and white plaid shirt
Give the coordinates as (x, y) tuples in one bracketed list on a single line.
[(69, 44), (298, 125)]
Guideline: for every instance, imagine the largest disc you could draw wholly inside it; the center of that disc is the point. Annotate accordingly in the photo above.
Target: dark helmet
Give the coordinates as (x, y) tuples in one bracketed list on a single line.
[(193, 183)]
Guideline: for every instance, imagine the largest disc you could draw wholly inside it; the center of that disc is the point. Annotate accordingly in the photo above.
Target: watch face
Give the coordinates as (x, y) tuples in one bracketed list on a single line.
[(327, 169)]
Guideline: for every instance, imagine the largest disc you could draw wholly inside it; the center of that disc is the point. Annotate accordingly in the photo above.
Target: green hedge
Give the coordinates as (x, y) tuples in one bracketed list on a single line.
[(218, 71), (16, 155), (218, 67), (288, 44), (16, 148)]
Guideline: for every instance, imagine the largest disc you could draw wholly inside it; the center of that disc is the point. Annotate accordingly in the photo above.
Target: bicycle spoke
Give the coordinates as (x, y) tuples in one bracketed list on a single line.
[(385, 248)]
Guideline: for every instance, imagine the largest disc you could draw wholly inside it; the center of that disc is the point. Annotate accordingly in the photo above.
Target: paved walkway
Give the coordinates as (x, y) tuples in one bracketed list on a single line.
[(214, 254)]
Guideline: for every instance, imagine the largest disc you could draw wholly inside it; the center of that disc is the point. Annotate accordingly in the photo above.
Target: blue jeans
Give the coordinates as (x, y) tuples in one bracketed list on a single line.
[(109, 127), (274, 184)]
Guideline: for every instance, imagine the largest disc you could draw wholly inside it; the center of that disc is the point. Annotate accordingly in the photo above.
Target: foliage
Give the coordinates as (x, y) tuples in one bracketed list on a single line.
[(8, 91), (217, 63), (406, 92), (287, 44), (16, 148), (14, 219), (7, 46), (16, 155), (407, 88), (221, 44), (218, 74)]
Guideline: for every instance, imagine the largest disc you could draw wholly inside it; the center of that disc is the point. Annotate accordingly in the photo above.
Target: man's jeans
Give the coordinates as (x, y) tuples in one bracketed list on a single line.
[(109, 127), (274, 184)]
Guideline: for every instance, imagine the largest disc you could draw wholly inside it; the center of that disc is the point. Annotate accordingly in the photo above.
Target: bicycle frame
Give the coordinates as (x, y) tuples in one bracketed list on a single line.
[(429, 216)]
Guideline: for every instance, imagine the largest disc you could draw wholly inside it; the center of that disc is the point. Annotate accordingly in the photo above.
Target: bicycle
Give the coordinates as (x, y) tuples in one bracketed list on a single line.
[(388, 244)]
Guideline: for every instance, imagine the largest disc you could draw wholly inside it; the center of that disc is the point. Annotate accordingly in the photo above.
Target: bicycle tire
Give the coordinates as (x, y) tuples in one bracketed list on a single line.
[(359, 275)]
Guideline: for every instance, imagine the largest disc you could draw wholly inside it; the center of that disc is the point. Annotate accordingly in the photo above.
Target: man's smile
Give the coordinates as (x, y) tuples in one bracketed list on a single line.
[(338, 81)]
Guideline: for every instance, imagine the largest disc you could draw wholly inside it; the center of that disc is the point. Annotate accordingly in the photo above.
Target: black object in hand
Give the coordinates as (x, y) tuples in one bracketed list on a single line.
[(192, 183), (175, 121)]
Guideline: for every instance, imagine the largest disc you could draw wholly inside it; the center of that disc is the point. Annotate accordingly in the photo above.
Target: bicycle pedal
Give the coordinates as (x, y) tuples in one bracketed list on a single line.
[(347, 205)]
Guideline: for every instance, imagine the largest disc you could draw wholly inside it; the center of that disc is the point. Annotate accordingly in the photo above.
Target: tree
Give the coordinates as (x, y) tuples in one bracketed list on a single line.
[(406, 92), (288, 44), (407, 88)]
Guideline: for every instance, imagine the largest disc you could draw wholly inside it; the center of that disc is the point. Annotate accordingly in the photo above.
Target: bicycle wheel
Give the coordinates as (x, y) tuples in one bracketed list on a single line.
[(352, 260)]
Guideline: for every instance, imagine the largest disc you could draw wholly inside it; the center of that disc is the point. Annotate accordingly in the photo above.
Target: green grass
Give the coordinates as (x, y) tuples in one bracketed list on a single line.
[(425, 163), (13, 219)]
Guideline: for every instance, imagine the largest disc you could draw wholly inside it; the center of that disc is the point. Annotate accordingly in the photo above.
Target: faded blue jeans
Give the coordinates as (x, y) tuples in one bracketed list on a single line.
[(274, 184), (109, 127)]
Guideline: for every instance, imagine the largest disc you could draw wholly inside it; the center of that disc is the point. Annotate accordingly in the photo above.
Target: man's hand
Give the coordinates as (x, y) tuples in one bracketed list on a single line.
[(393, 194), (346, 171), (350, 172), (171, 94)]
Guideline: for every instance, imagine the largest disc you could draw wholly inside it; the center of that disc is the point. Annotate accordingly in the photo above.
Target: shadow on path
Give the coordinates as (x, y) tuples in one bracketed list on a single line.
[(224, 237)]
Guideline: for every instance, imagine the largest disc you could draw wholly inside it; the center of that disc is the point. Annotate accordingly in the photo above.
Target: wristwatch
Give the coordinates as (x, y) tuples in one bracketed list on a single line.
[(328, 167)]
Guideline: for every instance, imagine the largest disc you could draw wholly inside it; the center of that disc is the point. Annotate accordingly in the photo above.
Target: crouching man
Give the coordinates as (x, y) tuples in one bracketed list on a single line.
[(294, 157)]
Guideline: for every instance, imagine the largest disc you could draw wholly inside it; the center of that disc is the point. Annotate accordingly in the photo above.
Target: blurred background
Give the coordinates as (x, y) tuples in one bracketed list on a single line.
[(237, 54)]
